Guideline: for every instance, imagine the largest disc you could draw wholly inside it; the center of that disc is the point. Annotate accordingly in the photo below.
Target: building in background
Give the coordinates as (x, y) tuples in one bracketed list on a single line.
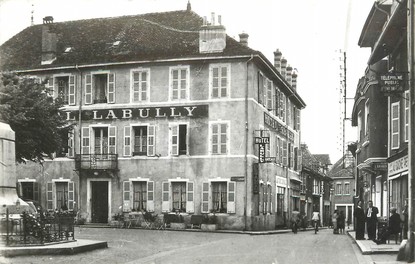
[(342, 189), (171, 115), (315, 185)]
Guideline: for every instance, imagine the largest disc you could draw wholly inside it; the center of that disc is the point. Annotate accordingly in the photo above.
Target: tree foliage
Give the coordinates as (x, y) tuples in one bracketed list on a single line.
[(37, 119)]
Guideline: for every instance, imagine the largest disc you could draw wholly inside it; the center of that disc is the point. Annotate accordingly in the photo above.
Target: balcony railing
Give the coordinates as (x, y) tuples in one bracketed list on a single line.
[(96, 161)]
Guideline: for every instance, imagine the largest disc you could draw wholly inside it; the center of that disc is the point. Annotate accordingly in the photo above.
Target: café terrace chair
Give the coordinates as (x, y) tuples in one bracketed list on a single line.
[(149, 220)]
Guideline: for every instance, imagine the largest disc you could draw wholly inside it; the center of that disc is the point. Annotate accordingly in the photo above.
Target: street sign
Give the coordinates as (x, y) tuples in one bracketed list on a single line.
[(261, 140), (391, 82), (238, 178)]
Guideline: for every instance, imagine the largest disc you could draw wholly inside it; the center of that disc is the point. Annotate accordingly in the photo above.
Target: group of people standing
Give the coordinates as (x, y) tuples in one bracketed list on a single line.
[(338, 220), (368, 217)]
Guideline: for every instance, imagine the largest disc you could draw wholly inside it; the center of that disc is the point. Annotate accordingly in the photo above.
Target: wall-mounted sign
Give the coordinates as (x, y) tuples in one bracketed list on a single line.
[(398, 165), (261, 157), (261, 140), (191, 111), (382, 166), (391, 82), (271, 159), (277, 126)]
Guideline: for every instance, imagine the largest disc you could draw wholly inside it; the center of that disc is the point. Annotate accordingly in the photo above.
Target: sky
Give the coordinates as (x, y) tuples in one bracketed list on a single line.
[(313, 35)]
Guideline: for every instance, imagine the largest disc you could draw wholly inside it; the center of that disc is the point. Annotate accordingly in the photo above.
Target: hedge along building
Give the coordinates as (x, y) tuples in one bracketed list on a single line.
[(166, 110)]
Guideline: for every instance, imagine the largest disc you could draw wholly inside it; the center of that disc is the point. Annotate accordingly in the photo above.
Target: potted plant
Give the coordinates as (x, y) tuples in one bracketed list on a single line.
[(210, 222)]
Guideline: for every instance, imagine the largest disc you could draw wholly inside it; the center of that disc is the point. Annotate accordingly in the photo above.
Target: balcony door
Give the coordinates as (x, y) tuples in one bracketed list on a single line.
[(100, 140)]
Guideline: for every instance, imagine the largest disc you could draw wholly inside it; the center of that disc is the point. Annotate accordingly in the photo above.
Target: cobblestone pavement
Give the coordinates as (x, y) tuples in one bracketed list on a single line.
[(156, 246)]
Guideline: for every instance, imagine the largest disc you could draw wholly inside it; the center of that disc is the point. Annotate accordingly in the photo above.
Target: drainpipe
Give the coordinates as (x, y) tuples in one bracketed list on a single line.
[(246, 141), (80, 135)]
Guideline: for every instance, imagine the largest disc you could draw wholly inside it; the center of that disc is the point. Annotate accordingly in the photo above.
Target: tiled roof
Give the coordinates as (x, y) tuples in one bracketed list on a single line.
[(152, 36), (338, 170)]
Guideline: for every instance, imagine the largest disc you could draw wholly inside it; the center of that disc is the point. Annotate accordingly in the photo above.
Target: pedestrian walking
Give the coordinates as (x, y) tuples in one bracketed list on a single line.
[(340, 222), (359, 216), (316, 219), (371, 220), (334, 221), (295, 220)]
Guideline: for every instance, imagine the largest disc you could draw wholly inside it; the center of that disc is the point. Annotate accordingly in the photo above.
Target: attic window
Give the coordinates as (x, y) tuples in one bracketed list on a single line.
[(68, 49)]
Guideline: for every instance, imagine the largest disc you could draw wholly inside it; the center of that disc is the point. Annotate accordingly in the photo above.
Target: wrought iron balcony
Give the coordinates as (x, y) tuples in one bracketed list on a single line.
[(106, 161)]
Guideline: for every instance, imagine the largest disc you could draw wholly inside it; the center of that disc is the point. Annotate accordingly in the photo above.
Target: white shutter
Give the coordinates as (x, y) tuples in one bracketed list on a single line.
[(49, 196), (231, 197), (395, 125), (190, 204), (71, 145), (36, 191), (205, 197), (284, 153), (151, 140), (72, 85), (127, 141), (85, 140), (19, 189), (150, 196), (88, 89), (51, 87), (112, 139), (174, 140), (165, 203), (71, 195), (126, 204), (111, 88)]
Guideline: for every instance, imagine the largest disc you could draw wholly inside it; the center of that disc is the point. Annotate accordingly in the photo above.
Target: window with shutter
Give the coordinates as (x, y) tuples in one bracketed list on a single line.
[(179, 83), (49, 196), (140, 85), (219, 138), (72, 89), (71, 195), (111, 88), (231, 208), (85, 140), (126, 196), (178, 192), (178, 139), (151, 141), (219, 80), (285, 154), (127, 141), (150, 196), (205, 197), (260, 88), (190, 204), (395, 126), (112, 139), (269, 95), (88, 89), (165, 203)]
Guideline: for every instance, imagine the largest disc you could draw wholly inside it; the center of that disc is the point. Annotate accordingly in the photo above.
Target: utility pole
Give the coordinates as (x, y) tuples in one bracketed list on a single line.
[(411, 148), (345, 109)]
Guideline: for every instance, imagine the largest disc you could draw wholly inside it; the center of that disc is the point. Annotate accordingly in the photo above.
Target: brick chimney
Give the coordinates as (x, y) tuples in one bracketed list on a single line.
[(283, 67), (288, 75), (243, 39), (277, 59), (294, 80), (49, 41), (212, 37)]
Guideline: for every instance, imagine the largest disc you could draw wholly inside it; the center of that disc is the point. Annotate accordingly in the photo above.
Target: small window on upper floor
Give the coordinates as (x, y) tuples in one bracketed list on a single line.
[(219, 80), (179, 83), (140, 88)]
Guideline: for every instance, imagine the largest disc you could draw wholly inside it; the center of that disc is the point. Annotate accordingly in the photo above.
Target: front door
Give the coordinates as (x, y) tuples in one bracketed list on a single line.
[(99, 201)]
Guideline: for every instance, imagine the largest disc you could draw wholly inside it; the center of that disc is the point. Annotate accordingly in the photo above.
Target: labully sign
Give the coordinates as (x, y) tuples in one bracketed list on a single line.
[(192, 111)]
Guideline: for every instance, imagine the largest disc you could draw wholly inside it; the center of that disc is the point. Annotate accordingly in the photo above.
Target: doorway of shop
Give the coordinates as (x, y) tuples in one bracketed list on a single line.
[(99, 201)]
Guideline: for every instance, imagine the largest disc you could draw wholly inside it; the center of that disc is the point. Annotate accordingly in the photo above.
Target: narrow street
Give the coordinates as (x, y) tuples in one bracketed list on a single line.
[(152, 246)]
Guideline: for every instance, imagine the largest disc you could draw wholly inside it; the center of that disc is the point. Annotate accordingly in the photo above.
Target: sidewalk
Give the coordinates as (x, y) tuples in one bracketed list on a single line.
[(369, 247)]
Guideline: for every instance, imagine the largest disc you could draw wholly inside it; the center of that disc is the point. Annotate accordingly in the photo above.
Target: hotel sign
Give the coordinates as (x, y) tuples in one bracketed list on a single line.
[(191, 111), (277, 126), (398, 165), (391, 82)]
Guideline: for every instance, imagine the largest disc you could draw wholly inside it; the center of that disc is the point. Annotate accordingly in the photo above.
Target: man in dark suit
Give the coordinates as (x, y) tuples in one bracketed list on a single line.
[(360, 218), (371, 220)]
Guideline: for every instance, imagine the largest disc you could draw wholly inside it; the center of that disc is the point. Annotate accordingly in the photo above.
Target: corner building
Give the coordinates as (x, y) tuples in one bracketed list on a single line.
[(166, 109)]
